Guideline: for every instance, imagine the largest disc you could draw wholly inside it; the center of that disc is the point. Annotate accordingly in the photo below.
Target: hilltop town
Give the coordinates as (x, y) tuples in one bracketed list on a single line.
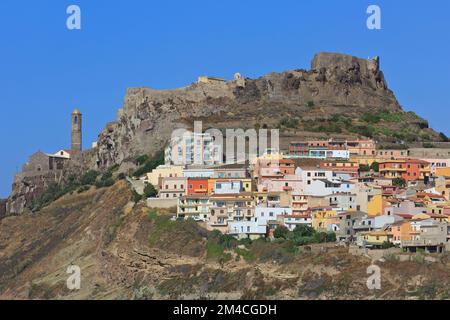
[(354, 180)]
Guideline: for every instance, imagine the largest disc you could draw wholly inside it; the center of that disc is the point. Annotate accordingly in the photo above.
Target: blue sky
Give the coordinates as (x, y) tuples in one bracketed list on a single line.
[(47, 70)]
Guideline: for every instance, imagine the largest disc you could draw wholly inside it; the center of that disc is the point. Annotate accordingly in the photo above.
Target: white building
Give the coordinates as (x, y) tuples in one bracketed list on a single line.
[(228, 187), (197, 172), (342, 201), (329, 154), (385, 220), (263, 214), (292, 221), (193, 148), (324, 187), (247, 229)]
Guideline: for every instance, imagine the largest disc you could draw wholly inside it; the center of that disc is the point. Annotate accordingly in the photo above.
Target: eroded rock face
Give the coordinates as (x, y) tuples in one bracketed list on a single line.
[(28, 186), (341, 83)]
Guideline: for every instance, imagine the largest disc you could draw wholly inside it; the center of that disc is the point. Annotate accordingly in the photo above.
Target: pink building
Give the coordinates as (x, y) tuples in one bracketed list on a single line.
[(287, 183)]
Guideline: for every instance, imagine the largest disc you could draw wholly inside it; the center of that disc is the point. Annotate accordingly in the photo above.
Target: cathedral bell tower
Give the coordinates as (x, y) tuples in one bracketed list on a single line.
[(76, 130)]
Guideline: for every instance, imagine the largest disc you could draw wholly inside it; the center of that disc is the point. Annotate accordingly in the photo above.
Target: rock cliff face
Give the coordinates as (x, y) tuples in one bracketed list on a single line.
[(337, 87), (29, 186)]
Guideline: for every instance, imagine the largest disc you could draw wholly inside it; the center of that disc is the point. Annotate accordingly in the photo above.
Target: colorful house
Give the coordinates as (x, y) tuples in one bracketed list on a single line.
[(156, 175), (373, 239), (408, 169), (197, 186), (323, 219)]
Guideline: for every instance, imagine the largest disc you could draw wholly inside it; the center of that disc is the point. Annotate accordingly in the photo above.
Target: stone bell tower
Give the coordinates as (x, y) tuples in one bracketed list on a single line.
[(76, 130)]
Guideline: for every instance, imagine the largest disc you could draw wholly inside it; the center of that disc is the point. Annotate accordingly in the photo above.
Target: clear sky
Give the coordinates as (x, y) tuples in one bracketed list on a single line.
[(47, 70)]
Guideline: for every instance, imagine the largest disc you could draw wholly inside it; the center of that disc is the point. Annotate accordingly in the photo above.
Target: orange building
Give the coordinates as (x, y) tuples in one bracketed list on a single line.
[(400, 231), (408, 169), (197, 186)]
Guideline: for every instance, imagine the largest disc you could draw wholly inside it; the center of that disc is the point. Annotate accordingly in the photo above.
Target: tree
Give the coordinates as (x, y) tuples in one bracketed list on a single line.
[(399, 182), (89, 177), (331, 237), (280, 232), (304, 231), (150, 191), (375, 166), (364, 168)]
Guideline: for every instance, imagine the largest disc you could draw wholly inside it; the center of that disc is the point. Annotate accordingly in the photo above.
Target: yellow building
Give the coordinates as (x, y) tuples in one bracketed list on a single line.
[(373, 238), (163, 171), (322, 218), (375, 206), (443, 172)]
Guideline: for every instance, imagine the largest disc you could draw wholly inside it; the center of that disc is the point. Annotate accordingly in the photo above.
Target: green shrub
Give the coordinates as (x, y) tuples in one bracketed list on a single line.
[(142, 159), (371, 118), (152, 215), (246, 254), (399, 182), (364, 168), (150, 191), (89, 177), (280, 232), (289, 123), (214, 250), (83, 189), (387, 245), (375, 166), (150, 164), (136, 197)]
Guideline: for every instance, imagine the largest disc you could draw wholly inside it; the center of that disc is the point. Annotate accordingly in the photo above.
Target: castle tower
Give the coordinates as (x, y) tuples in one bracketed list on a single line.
[(76, 130)]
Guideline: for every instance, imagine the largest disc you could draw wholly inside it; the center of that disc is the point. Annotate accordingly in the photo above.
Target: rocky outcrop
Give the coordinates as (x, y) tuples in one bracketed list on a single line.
[(339, 84), (29, 185)]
